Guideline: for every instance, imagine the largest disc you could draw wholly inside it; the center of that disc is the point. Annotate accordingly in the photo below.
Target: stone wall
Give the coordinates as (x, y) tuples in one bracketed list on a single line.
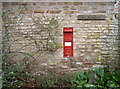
[(93, 39)]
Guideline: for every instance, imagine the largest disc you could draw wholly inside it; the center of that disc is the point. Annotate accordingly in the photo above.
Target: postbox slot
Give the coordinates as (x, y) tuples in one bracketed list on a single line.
[(67, 32)]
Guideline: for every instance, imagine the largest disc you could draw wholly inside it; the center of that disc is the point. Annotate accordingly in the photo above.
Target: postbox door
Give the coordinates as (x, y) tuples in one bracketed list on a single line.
[(68, 50), (68, 42)]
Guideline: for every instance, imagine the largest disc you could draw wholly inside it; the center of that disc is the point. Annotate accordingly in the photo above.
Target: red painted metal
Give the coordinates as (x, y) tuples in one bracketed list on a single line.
[(68, 41)]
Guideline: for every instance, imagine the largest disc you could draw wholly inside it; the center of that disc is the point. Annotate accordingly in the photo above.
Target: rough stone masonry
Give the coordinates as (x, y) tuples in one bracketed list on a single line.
[(28, 23)]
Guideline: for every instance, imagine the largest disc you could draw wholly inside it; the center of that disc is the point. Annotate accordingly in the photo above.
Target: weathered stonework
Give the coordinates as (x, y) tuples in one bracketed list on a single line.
[(93, 39), (78, 3), (38, 11)]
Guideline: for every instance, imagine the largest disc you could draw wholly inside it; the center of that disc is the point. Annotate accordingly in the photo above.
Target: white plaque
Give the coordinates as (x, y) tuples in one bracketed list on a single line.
[(68, 44)]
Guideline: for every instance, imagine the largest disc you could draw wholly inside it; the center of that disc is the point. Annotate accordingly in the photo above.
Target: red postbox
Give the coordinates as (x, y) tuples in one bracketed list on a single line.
[(68, 41)]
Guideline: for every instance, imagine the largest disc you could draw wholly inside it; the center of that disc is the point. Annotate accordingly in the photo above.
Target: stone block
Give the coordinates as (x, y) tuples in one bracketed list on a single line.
[(44, 3), (100, 11), (102, 3), (73, 8), (60, 3), (34, 3), (69, 12), (66, 7), (76, 12), (24, 4), (38, 11), (53, 11), (77, 3), (67, 3), (14, 3), (5, 4), (52, 3)]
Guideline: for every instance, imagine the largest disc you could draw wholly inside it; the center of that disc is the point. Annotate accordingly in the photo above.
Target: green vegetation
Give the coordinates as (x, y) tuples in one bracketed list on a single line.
[(17, 76), (103, 79)]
